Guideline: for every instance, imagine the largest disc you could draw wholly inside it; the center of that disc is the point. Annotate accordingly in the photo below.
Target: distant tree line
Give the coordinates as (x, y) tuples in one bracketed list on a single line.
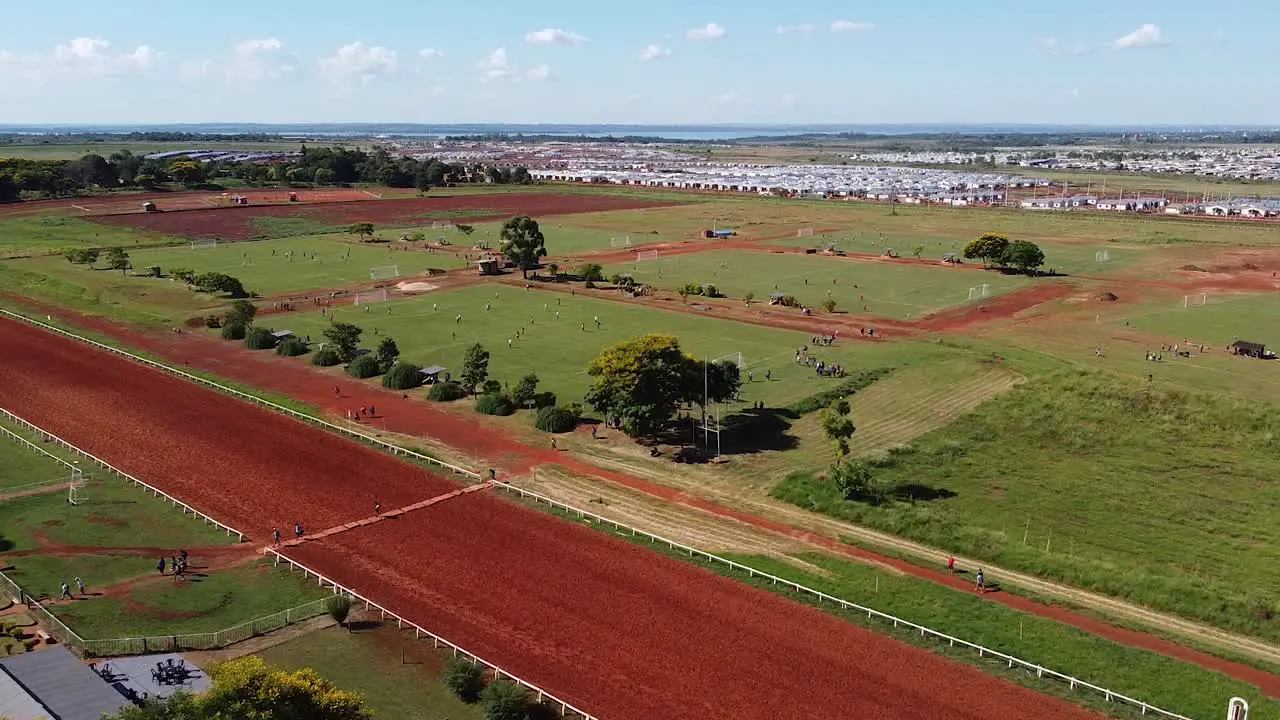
[(156, 136), (322, 166)]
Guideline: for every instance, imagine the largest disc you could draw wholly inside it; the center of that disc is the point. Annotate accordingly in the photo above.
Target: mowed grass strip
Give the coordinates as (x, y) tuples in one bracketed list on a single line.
[(398, 676), (1159, 497), (1222, 318), (45, 234), (866, 287), (559, 349), (565, 236), (23, 467), (1168, 683), (207, 601)]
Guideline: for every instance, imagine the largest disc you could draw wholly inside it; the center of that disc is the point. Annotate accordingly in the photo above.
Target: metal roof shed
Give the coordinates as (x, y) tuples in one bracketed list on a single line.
[(63, 684)]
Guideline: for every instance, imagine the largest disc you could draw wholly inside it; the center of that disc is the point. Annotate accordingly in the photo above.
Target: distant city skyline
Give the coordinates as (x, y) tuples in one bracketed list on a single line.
[(570, 61)]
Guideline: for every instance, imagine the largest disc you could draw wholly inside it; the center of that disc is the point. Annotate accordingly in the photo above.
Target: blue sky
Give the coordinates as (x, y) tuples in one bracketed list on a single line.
[(657, 61)]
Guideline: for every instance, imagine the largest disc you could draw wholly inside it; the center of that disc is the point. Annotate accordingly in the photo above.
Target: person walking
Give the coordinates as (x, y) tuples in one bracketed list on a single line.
[(80, 585), (981, 582), (951, 564), (377, 508), (160, 565), (275, 536), (372, 412), (66, 591), (297, 530)]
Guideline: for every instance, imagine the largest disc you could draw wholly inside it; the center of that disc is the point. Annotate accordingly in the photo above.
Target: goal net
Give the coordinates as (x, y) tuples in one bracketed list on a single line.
[(736, 358), (441, 225), (385, 272), (624, 241), (804, 232), (204, 243), (1102, 256), (1195, 300), (977, 293), (646, 255), (370, 297), (75, 488)]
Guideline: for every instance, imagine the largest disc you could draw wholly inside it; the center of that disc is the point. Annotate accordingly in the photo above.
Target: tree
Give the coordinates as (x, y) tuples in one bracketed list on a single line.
[(1024, 255), (522, 242), (82, 256), (504, 700), (249, 688), (339, 607), (475, 367), (464, 679), (837, 426), (989, 247), (361, 230), (118, 259), (525, 390), (9, 190), (325, 176), (344, 338), (853, 477), (591, 272), (643, 381), (554, 269), (241, 311), (829, 305), (187, 172), (213, 282), (388, 352), (722, 382), (465, 229)]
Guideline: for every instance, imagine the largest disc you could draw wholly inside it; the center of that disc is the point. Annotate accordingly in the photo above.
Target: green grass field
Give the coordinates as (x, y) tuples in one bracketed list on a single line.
[(1168, 683), (883, 288), (1155, 496), (45, 234), (559, 350), (208, 602), (406, 687), (24, 467), (565, 239), (1224, 318)]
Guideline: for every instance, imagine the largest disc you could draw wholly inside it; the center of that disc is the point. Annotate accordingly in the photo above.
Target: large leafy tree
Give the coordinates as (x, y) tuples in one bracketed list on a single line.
[(361, 230), (989, 248), (118, 259), (838, 427), (523, 243), (1024, 255), (344, 338), (212, 282), (643, 381), (249, 688), (241, 312), (475, 367), (388, 353)]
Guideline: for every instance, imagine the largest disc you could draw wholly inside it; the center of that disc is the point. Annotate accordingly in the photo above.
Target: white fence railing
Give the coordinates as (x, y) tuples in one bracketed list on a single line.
[(114, 647), (983, 652), (395, 449), (418, 631), (50, 437)]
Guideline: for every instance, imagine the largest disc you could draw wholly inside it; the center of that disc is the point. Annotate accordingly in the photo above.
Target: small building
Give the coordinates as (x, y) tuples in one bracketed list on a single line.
[(431, 375), (148, 207), (281, 335), (489, 266), (1248, 349), (59, 684), (951, 258)]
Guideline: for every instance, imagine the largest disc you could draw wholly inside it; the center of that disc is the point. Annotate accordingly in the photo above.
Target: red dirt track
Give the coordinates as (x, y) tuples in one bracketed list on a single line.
[(236, 223), (606, 625)]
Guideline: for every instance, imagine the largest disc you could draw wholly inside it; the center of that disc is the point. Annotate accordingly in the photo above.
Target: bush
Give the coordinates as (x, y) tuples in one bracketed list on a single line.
[(463, 679), (259, 338), (556, 420), (292, 347), (544, 399), (213, 322), (848, 386), (402, 376), (365, 366), (504, 700), (446, 392), (234, 331), (325, 357), (491, 387), (495, 404)]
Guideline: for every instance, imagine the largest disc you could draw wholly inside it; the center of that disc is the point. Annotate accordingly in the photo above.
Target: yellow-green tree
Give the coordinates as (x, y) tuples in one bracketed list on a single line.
[(989, 247), (187, 171)]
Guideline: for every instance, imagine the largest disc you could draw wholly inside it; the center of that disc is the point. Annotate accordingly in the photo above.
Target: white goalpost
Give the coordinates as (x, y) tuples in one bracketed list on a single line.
[(1102, 256), (804, 232), (204, 243), (646, 255), (370, 297), (979, 292), (384, 272), (441, 225), (1195, 300), (76, 486), (624, 241)]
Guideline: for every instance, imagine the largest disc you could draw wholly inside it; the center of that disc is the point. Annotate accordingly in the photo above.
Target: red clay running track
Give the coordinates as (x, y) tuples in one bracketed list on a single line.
[(620, 631)]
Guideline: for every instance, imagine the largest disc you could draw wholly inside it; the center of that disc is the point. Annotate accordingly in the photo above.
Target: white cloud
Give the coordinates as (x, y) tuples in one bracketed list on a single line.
[(1054, 46), (725, 98), (654, 52), (1217, 37), (710, 31), (541, 72), (197, 69), (554, 36), (496, 66), (1074, 92), (787, 100), (1146, 36), (94, 56), (357, 61), (257, 59), (801, 29), (851, 26), (431, 53)]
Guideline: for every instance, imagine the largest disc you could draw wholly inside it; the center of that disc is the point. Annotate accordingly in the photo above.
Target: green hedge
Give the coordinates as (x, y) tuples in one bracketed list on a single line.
[(234, 331), (259, 338), (292, 347), (402, 376), (365, 366), (325, 357), (495, 404), (556, 420), (848, 386), (446, 392)]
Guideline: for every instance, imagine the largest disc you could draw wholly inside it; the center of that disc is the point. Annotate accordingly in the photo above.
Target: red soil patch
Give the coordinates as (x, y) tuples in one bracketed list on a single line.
[(104, 520), (236, 223), (52, 523), (542, 597), (170, 201)]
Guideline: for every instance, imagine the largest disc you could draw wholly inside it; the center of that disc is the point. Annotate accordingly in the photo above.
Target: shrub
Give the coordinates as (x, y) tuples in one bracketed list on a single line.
[(789, 301), (234, 331), (504, 700), (365, 366), (402, 376), (829, 305), (544, 399), (495, 404), (325, 357), (339, 607), (446, 392), (491, 387), (292, 347), (848, 386), (213, 322), (259, 338), (463, 679), (710, 291), (556, 420)]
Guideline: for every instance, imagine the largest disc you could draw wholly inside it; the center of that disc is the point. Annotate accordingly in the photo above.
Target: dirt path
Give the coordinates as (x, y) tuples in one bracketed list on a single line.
[(42, 490), (420, 419)]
